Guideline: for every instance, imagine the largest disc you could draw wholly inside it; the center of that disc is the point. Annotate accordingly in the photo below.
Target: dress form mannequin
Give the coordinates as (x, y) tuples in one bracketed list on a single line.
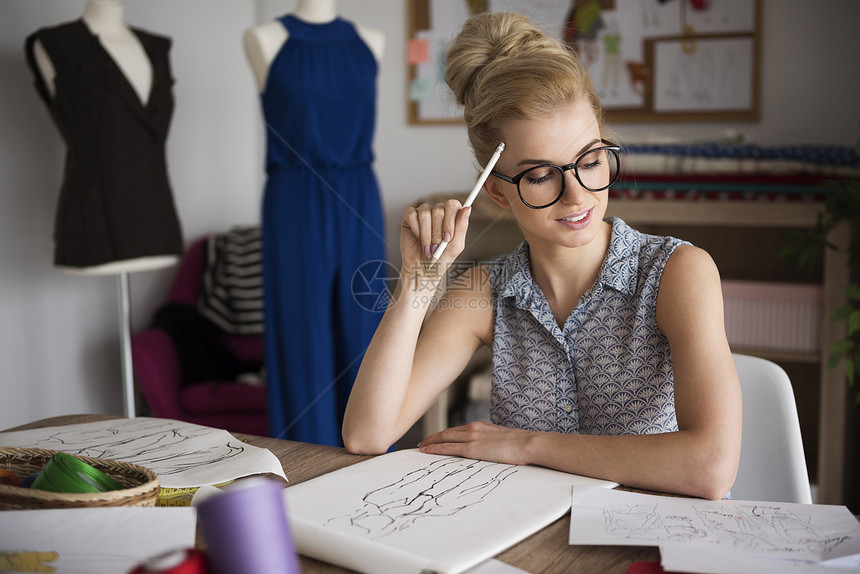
[(263, 42), (106, 19), (322, 221), (108, 88)]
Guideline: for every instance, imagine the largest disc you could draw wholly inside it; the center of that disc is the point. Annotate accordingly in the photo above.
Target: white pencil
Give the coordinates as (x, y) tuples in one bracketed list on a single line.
[(474, 193)]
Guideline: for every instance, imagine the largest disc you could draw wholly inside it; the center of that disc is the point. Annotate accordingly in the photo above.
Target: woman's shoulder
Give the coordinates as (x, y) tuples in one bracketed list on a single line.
[(468, 302), (473, 280), (687, 259)]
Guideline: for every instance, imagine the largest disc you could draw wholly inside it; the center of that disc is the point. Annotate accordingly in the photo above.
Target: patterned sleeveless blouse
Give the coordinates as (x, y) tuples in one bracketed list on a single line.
[(609, 370)]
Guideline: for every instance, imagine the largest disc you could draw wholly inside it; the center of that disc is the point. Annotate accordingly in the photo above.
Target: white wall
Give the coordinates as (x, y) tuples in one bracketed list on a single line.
[(59, 334)]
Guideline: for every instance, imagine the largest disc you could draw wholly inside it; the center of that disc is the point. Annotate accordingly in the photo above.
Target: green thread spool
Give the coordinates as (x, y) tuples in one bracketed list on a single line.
[(65, 473)]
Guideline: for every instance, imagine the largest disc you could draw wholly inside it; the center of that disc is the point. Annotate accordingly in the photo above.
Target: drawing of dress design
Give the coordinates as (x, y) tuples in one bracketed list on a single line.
[(442, 488)]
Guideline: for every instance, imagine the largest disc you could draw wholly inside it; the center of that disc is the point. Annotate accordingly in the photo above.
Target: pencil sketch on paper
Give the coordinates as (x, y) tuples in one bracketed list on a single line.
[(165, 446), (182, 454), (760, 528), (414, 511), (642, 519), (443, 487)]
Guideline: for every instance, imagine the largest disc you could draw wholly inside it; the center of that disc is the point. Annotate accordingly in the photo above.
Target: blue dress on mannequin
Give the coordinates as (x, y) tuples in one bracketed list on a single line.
[(322, 224)]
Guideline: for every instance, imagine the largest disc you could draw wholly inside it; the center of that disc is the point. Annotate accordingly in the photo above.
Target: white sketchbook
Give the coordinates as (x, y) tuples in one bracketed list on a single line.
[(183, 455), (730, 536), (409, 512)]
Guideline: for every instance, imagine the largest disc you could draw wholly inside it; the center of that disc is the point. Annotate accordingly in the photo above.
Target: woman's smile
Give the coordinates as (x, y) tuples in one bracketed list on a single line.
[(577, 221)]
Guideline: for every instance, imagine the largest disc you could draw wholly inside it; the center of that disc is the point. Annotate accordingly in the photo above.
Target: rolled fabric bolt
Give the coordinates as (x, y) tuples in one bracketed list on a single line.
[(246, 531)]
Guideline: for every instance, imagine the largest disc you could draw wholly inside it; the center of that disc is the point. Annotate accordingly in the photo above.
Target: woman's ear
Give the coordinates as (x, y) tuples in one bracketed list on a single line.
[(493, 187)]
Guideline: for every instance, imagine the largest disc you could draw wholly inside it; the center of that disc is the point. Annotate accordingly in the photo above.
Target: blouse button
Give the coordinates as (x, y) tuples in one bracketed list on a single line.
[(568, 408)]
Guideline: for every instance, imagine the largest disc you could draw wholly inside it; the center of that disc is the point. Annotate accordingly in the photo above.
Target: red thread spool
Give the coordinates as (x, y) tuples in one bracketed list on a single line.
[(187, 561)]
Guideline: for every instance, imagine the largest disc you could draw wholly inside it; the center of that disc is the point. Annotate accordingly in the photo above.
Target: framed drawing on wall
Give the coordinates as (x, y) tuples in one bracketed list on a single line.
[(650, 60)]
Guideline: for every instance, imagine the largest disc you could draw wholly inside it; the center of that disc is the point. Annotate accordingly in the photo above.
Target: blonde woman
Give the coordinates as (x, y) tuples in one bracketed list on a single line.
[(609, 353)]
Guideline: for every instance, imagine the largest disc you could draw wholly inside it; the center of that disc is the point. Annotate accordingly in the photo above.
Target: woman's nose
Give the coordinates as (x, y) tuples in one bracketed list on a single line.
[(574, 193)]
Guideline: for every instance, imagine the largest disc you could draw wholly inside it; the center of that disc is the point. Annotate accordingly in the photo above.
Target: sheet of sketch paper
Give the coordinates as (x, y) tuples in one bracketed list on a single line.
[(680, 559), (91, 540), (408, 512), (774, 530), (183, 455)]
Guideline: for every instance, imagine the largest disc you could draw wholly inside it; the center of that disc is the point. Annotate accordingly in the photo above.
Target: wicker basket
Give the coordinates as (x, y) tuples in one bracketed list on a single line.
[(141, 484)]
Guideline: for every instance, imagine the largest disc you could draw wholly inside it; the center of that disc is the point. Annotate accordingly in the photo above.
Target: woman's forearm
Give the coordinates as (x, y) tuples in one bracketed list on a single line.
[(693, 462), (683, 462), (401, 375), (375, 412)]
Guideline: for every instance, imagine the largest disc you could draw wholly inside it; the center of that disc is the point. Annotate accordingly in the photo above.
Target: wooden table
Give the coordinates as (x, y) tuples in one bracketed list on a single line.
[(546, 551)]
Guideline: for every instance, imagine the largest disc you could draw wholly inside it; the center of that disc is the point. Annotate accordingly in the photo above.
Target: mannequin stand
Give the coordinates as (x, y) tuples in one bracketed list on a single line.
[(125, 344)]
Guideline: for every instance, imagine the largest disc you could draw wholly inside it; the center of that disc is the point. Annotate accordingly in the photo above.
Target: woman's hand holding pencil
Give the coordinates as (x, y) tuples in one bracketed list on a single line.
[(429, 231)]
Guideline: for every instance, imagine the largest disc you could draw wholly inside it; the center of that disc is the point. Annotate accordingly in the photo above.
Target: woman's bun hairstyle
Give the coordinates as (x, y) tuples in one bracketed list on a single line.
[(502, 67)]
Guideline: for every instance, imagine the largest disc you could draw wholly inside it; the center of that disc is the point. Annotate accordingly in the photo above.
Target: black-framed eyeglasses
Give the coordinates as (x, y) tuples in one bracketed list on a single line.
[(543, 185)]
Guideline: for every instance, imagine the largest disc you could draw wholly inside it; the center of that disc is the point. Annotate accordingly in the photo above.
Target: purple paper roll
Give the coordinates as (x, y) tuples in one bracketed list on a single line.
[(246, 530)]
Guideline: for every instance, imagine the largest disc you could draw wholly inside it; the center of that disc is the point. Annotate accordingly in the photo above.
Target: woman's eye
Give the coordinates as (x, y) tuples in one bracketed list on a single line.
[(539, 176), (535, 180), (590, 161)]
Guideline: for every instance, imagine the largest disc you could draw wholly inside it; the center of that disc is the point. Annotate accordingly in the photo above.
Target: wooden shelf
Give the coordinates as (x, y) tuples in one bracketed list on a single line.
[(716, 213)]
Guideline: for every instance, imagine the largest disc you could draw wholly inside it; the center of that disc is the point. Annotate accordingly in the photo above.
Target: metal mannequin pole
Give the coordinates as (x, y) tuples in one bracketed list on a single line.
[(125, 342)]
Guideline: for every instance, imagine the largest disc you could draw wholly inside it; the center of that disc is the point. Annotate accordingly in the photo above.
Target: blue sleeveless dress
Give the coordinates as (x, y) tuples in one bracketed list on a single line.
[(322, 226)]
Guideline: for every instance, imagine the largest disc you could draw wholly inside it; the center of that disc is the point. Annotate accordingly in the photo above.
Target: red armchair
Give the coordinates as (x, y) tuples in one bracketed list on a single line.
[(227, 404)]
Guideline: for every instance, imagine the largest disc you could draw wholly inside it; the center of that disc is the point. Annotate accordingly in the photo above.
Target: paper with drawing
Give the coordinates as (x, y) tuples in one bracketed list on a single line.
[(408, 512), (732, 528), (182, 454)]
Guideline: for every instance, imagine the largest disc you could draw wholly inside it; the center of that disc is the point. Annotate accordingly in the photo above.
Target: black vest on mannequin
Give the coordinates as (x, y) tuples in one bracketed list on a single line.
[(115, 202)]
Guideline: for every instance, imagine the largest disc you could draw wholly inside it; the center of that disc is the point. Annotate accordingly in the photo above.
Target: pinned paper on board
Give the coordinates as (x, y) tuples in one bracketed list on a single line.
[(408, 511), (632, 50), (420, 89), (427, 88), (183, 455), (718, 75), (417, 51)]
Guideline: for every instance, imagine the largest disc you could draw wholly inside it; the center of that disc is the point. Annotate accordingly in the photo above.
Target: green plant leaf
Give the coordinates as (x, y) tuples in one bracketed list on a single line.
[(854, 322), (786, 252), (842, 207), (840, 346), (853, 291), (842, 313), (838, 350)]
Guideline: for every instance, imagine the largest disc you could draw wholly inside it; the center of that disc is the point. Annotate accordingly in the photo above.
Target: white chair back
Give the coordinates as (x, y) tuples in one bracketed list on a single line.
[(772, 465)]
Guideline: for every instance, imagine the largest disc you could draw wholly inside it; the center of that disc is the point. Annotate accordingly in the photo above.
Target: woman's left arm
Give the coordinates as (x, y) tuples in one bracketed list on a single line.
[(707, 390), (701, 458)]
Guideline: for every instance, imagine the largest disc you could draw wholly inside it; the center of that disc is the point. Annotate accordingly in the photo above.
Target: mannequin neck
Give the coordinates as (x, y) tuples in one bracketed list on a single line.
[(316, 11), (104, 16)]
